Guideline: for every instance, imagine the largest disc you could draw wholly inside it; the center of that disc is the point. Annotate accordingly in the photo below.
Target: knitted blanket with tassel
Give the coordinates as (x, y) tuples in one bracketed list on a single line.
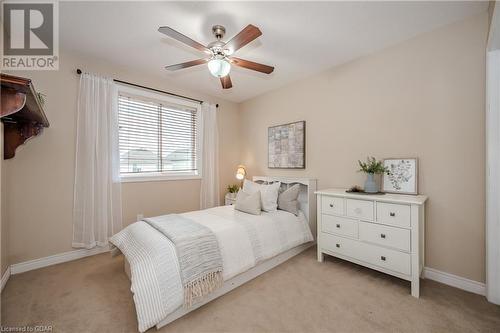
[(198, 252)]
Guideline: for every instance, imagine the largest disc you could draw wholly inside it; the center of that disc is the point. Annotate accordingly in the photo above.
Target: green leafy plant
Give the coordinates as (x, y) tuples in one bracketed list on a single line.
[(41, 98), (372, 166), (233, 188)]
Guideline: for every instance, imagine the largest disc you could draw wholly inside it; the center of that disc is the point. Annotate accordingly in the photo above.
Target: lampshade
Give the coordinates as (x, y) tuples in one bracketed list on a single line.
[(241, 172), (219, 67)]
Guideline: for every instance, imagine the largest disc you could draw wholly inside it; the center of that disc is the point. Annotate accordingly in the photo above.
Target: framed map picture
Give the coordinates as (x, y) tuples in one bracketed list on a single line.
[(402, 176), (287, 146)]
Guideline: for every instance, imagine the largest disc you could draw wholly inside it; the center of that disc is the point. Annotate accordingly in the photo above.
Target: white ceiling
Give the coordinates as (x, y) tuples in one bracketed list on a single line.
[(299, 38)]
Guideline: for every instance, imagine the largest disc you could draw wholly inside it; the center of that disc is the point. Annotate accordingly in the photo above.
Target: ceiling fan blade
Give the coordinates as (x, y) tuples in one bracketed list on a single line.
[(186, 64), (226, 82), (252, 65), (182, 38), (244, 37)]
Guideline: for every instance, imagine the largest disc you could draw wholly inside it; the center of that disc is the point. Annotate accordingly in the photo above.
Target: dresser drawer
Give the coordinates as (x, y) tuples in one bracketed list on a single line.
[(361, 209), (387, 236), (389, 259), (332, 205), (393, 214), (344, 246), (372, 254), (339, 226)]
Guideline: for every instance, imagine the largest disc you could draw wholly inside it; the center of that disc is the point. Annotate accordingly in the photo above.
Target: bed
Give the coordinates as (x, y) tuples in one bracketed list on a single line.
[(280, 234)]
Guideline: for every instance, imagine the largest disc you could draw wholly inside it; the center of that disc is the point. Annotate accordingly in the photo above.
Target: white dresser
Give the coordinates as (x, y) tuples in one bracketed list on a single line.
[(382, 232)]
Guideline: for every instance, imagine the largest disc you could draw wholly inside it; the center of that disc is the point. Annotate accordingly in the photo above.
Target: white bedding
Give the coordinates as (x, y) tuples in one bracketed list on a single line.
[(244, 241), (276, 232)]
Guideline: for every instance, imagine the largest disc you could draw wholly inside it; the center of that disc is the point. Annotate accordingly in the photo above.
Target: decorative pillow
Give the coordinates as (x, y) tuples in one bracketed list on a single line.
[(268, 194), (288, 199), (248, 202)]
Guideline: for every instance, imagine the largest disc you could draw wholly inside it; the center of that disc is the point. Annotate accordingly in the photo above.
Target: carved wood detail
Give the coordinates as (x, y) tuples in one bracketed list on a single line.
[(16, 134), (21, 113)]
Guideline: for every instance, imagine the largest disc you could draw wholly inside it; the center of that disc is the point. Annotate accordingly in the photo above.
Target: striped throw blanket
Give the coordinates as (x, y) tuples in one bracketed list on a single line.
[(198, 252)]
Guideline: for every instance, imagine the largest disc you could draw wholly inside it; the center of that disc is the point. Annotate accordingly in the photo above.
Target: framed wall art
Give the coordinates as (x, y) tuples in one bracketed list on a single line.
[(287, 146), (402, 176)]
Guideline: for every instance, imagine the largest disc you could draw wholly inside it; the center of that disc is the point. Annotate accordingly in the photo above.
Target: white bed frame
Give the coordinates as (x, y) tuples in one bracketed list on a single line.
[(307, 202)]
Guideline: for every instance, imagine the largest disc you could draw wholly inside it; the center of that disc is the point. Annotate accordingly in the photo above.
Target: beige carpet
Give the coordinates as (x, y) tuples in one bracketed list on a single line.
[(301, 295)]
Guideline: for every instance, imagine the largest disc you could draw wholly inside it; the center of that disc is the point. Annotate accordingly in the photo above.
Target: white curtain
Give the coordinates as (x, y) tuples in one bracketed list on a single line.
[(209, 194), (97, 213)]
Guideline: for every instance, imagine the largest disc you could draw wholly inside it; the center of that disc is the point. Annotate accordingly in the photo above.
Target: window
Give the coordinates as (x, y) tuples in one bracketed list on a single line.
[(158, 136)]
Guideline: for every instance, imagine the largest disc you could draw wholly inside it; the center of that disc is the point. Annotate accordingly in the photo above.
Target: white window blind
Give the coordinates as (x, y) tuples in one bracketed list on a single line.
[(156, 138)]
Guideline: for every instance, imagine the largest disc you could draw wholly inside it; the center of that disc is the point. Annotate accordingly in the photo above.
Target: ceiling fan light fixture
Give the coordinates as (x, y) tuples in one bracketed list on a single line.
[(219, 67), (219, 53)]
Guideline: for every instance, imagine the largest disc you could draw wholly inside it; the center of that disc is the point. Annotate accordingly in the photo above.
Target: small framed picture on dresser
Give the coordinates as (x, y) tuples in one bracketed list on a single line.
[(401, 176)]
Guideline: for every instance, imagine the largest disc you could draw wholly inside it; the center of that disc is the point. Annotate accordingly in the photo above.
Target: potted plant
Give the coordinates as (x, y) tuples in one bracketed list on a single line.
[(232, 190), (372, 167)]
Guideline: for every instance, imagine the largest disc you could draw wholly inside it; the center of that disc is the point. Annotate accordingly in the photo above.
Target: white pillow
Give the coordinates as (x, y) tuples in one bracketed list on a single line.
[(268, 194), (248, 202), (288, 199)]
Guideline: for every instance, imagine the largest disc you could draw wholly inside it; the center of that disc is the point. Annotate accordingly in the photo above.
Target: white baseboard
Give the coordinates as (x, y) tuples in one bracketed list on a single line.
[(428, 273), (55, 259), (5, 278), (455, 281)]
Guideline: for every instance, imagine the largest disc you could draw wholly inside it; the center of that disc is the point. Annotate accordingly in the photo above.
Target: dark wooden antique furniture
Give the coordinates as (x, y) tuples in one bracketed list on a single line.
[(20, 111)]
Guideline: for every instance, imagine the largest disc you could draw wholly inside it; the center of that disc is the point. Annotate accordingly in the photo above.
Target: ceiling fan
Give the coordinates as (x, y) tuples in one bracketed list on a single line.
[(219, 53)]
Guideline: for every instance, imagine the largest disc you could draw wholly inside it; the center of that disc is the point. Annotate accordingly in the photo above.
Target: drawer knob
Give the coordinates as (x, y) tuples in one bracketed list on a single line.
[(337, 245), (392, 214), (358, 210), (338, 225), (382, 235), (331, 205), (382, 258)]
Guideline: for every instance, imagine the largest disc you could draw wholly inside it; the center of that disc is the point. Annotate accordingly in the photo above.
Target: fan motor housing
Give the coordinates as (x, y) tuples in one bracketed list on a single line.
[(217, 47)]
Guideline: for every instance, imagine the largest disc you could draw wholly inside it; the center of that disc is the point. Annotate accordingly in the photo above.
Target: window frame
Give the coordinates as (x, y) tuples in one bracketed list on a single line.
[(166, 99)]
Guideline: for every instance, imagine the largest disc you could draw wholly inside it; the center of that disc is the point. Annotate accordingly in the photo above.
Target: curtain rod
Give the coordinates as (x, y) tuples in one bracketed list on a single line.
[(79, 71)]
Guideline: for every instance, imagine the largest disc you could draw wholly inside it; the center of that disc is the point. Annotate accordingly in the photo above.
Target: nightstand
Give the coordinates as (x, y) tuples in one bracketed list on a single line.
[(230, 199)]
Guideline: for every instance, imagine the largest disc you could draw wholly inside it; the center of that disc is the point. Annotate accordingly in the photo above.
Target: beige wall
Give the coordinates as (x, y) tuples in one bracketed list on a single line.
[(39, 179), (423, 97)]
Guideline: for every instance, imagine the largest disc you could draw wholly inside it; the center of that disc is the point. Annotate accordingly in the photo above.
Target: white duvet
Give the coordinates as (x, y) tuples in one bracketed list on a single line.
[(244, 241)]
